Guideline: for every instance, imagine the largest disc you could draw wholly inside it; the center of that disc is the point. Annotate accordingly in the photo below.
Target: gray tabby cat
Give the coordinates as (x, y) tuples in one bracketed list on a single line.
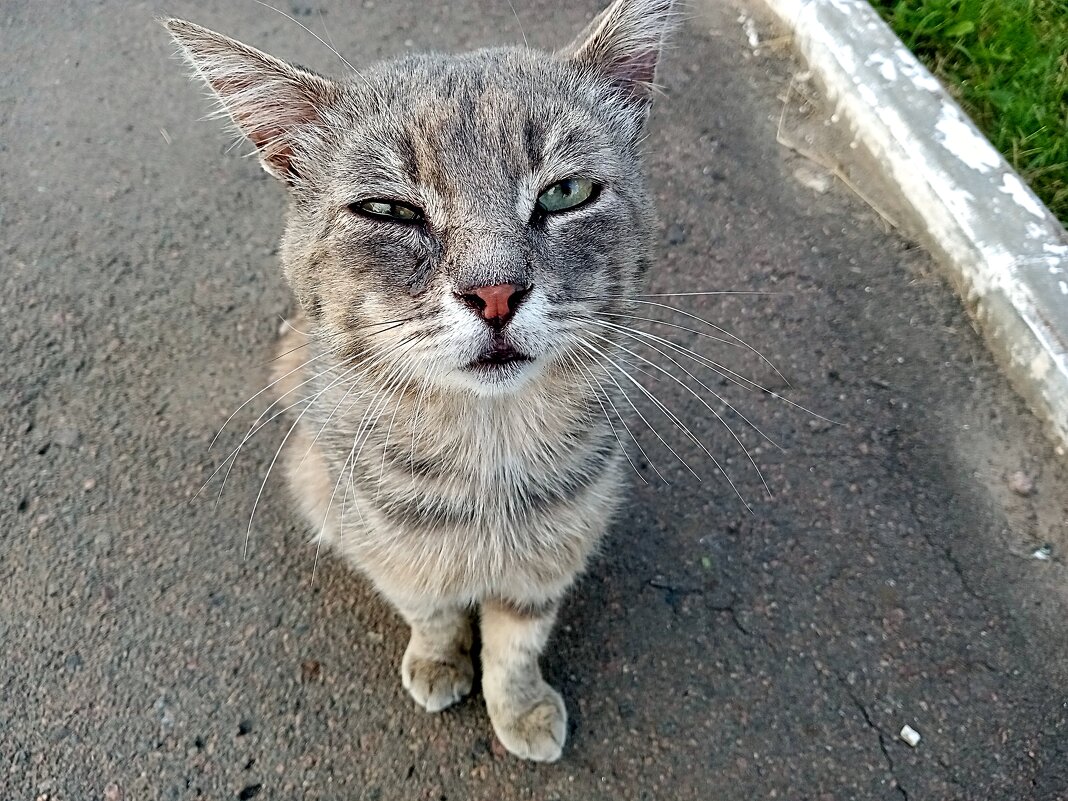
[(458, 226)]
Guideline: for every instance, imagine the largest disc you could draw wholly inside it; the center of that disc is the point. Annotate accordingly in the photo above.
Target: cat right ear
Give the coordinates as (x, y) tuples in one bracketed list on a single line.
[(271, 102), (623, 44)]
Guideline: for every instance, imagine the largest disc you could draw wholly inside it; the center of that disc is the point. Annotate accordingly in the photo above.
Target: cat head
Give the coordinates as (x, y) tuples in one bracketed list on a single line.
[(465, 218)]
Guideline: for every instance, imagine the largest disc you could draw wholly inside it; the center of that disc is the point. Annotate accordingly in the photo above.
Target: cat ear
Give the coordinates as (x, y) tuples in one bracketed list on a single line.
[(624, 42), (269, 101)]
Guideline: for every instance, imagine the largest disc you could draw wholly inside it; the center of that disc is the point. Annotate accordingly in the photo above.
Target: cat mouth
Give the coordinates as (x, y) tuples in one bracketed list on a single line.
[(498, 357)]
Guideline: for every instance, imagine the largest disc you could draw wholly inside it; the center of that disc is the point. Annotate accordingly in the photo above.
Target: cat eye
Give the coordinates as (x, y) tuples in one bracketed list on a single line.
[(567, 194), (387, 209)]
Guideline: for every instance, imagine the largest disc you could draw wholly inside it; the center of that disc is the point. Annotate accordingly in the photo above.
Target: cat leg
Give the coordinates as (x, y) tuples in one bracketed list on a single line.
[(528, 715), (436, 669)]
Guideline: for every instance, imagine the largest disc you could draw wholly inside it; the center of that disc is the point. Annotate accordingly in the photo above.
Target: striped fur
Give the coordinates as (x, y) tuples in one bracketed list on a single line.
[(452, 488)]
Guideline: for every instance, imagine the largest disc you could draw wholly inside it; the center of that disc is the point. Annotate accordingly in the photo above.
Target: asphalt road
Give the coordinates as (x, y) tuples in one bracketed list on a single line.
[(711, 653)]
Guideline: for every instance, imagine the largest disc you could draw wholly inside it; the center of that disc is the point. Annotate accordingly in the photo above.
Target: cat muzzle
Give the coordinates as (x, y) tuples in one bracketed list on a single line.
[(499, 356)]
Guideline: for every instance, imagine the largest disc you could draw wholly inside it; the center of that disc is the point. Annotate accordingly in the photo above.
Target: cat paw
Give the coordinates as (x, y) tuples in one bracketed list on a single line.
[(536, 732), (437, 684)]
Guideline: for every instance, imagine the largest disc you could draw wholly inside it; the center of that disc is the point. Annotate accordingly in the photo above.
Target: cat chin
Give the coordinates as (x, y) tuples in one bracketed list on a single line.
[(495, 382)]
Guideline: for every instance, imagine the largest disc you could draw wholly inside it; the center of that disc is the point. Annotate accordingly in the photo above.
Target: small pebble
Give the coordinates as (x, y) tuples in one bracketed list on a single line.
[(1021, 483), (910, 735), (113, 792), (1043, 554), (89, 484)]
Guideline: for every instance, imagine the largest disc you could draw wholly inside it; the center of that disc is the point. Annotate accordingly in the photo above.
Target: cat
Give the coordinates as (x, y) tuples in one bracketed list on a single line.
[(461, 231)]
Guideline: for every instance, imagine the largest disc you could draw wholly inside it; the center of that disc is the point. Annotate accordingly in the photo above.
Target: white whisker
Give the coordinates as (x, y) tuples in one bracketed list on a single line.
[(716, 414), (713, 326), (641, 337), (586, 375), (642, 389)]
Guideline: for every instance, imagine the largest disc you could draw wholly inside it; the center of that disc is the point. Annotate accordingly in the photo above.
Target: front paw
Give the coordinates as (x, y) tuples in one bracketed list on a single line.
[(437, 683), (535, 730)]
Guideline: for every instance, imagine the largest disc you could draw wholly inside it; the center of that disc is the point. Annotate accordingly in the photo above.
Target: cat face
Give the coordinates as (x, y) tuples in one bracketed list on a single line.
[(458, 220)]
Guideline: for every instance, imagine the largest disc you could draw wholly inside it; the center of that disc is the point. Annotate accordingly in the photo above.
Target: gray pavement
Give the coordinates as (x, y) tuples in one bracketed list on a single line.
[(710, 653)]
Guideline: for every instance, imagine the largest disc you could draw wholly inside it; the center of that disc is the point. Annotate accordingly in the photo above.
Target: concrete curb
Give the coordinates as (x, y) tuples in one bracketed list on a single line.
[(1003, 249)]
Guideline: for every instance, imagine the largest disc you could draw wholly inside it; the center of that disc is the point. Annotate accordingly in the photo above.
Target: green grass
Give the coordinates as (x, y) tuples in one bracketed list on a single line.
[(1006, 61)]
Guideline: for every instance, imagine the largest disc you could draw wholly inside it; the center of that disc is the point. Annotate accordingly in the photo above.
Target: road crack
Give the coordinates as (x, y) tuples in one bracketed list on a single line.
[(673, 592), (882, 735)]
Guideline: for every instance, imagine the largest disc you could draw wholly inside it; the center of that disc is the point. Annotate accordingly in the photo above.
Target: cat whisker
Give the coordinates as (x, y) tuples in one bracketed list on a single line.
[(623, 419), (415, 421), (703, 294), (283, 354), (255, 428), (519, 22), (670, 325), (374, 359), (362, 436), (389, 428), (274, 459), (586, 375), (643, 338), (392, 323), (725, 332), (265, 389), (674, 418), (679, 424), (319, 39), (326, 30), (370, 416), (705, 403), (365, 362), (329, 352), (605, 357), (724, 372)]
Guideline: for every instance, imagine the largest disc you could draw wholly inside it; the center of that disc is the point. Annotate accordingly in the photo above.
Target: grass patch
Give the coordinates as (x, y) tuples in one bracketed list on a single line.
[(1006, 62)]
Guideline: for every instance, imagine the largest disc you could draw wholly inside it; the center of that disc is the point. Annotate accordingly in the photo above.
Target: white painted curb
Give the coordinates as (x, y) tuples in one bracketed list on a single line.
[(1004, 250)]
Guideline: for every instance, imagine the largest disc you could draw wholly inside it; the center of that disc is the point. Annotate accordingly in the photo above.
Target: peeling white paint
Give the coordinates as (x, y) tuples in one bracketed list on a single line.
[(922, 78), (961, 204), (885, 65), (1056, 250), (848, 60), (1063, 286), (912, 69), (1035, 231), (869, 96), (843, 5), (1014, 188), (961, 139)]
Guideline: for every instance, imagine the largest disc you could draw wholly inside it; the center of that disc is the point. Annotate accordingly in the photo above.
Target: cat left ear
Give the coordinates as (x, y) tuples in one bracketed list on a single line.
[(623, 43), (271, 102)]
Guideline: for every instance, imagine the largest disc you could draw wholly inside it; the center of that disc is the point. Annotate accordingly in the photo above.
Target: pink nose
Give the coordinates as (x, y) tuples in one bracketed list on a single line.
[(494, 304)]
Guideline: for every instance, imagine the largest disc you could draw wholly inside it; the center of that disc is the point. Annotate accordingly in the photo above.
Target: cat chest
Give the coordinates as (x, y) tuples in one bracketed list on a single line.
[(507, 495), (468, 486)]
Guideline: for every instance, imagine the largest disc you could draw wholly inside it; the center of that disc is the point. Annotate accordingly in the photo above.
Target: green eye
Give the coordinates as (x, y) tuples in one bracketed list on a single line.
[(567, 194), (389, 209)]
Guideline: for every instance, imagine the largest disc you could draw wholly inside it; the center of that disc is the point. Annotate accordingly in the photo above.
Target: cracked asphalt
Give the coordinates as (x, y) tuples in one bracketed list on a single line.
[(711, 652)]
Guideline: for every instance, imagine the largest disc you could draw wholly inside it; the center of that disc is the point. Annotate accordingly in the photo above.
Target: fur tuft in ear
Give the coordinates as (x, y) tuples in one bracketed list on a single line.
[(269, 101), (623, 43)]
